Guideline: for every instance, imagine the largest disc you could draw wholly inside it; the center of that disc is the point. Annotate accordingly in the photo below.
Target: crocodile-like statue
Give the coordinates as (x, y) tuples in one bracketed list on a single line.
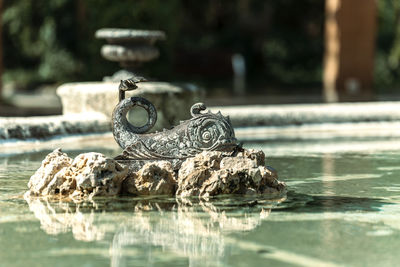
[(204, 131)]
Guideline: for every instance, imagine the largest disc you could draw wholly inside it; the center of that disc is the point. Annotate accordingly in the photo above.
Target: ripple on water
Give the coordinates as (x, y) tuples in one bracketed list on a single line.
[(342, 209), (346, 177)]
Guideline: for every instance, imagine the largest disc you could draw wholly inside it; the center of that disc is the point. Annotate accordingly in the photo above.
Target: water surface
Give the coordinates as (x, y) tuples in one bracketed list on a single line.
[(342, 208)]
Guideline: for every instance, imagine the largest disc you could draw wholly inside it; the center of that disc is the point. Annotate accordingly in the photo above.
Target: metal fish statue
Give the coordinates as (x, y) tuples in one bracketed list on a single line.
[(205, 131)]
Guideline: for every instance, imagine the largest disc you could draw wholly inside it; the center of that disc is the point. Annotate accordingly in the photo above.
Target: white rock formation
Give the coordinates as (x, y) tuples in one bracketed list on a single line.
[(43, 179), (95, 174), (88, 175), (215, 173), (207, 174), (154, 178)]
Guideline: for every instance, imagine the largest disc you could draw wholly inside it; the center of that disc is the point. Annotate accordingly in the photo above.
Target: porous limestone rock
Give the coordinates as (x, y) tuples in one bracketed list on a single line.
[(207, 174), (88, 175), (95, 174), (154, 178), (45, 177), (59, 181), (213, 173)]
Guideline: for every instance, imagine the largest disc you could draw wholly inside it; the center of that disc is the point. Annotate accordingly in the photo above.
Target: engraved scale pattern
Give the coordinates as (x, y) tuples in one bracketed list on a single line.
[(204, 131)]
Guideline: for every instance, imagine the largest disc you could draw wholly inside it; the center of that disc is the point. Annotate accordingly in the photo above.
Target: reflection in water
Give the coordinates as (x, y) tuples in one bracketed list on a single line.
[(342, 209), (62, 217), (193, 230), (137, 229), (304, 203)]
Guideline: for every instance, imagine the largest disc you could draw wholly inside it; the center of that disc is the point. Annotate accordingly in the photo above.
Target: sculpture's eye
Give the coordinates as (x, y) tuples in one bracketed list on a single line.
[(206, 136)]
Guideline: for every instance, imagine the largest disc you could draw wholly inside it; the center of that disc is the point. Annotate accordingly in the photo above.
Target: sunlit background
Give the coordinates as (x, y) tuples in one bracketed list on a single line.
[(289, 50)]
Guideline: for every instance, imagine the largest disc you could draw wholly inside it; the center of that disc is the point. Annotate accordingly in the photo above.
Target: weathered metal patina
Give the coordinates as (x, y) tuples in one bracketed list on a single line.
[(205, 131)]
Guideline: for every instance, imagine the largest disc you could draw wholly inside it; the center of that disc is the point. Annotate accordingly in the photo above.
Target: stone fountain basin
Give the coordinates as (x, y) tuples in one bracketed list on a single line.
[(88, 108), (172, 101)]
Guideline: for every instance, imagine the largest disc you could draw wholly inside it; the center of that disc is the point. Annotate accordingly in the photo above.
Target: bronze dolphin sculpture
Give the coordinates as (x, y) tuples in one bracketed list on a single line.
[(203, 132)]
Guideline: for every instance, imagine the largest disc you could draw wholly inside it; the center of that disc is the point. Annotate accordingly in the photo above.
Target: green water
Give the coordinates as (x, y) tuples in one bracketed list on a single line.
[(342, 208)]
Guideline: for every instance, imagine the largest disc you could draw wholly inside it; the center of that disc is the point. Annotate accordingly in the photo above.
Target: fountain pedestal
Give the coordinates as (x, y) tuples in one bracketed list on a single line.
[(101, 97), (131, 48)]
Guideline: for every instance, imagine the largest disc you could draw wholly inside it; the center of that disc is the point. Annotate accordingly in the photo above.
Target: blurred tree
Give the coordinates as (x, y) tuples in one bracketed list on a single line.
[(281, 41), (37, 41), (293, 47), (53, 41), (387, 67), (1, 47)]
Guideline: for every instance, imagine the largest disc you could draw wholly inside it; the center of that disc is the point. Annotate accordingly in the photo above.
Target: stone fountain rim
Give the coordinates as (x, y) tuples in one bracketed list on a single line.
[(121, 33)]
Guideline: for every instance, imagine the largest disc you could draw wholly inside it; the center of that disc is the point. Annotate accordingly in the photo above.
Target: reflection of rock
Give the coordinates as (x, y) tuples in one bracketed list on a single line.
[(213, 173), (208, 216), (88, 175), (197, 232), (196, 229), (207, 174), (62, 217)]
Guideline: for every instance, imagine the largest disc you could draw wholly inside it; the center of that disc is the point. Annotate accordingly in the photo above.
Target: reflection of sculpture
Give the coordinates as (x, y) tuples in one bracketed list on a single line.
[(203, 132), (192, 229)]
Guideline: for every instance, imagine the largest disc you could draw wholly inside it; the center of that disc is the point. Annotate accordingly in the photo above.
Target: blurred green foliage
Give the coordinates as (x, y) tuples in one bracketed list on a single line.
[(282, 41), (35, 48), (387, 59), (53, 41)]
